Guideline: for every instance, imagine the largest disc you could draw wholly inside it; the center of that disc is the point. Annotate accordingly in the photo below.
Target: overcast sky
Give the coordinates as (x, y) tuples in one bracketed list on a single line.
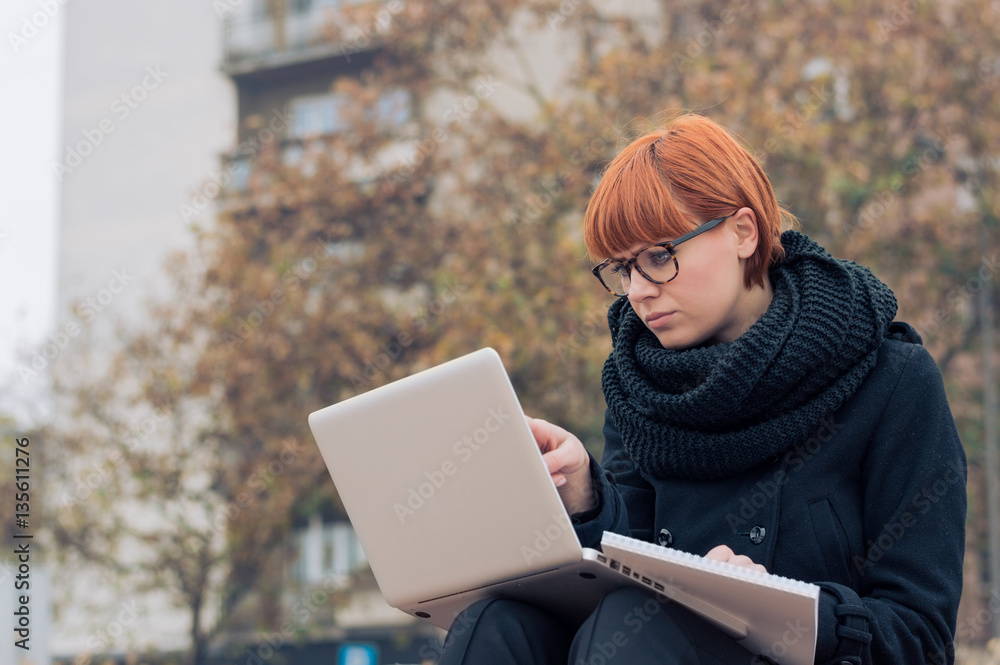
[(31, 80)]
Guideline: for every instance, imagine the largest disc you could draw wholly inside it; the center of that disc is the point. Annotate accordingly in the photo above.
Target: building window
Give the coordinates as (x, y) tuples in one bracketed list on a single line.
[(325, 551), (393, 108), (239, 168), (347, 555), (321, 115)]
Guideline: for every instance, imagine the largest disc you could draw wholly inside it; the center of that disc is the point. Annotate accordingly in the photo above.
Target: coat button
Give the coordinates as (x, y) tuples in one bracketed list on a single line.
[(757, 535), (665, 539)]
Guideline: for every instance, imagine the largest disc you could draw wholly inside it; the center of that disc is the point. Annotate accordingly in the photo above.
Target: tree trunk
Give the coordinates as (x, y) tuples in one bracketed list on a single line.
[(198, 645)]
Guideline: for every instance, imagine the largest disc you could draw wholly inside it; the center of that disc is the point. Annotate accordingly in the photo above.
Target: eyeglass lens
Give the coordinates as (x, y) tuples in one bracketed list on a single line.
[(656, 263)]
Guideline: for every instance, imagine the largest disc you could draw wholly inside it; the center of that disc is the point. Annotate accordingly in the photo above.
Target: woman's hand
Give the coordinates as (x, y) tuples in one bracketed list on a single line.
[(723, 553), (568, 463)]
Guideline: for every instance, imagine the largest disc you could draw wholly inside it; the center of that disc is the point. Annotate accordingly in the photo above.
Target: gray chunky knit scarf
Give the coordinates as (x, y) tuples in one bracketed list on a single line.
[(716, 411)]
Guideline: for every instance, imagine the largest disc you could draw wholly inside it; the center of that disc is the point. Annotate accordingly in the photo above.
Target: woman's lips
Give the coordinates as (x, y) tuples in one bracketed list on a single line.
[(658, 319)]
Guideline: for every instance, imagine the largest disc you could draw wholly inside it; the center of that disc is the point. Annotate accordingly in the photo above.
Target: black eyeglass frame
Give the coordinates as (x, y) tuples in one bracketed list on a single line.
[(669, 245)]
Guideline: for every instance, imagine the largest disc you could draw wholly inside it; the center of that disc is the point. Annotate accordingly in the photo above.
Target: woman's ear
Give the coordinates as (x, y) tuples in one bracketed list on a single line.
[(746, 232)]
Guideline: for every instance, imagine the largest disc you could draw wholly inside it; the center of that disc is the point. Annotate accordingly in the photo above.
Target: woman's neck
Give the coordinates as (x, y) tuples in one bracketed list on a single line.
[(751, 307)]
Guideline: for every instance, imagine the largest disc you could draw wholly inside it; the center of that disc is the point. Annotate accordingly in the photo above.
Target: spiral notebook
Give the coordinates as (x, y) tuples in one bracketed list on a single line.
[(774, 616)]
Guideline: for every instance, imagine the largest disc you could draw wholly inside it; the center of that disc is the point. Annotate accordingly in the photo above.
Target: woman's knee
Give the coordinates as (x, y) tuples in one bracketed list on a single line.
[(507, 631), (499, 613), (640, 626), (502, 616), (631, 606), (616, 631)]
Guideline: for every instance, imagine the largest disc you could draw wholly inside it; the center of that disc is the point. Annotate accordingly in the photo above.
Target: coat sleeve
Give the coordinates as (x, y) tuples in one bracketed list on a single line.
[(625, 500), (914, 483)]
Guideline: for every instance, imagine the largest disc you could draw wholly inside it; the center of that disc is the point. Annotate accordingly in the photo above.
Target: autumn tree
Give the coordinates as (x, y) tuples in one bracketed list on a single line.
[(396, 247)]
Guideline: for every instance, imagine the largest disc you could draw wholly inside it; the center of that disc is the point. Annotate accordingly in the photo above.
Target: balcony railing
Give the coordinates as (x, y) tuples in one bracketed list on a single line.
[(266, 33)]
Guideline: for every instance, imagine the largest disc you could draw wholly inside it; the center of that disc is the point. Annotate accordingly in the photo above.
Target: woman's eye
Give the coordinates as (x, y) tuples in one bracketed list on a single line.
[(618, 269), (660, 258)]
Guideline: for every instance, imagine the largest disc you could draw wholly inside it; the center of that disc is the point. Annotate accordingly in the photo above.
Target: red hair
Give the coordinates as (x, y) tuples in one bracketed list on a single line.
[(665, 184)]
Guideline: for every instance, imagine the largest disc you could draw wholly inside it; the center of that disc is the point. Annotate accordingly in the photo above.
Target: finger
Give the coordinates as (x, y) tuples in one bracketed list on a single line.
[(559, 479), (549, 437), (720, 553), (545, 433), (746, 562), (562, 458)]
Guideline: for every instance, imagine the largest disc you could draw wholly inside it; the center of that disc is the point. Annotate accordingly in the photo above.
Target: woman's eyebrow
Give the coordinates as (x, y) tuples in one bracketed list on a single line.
[(640, 251)]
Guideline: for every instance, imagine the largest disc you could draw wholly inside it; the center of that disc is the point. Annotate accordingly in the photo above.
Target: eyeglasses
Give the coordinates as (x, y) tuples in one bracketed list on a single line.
[(657, 263)]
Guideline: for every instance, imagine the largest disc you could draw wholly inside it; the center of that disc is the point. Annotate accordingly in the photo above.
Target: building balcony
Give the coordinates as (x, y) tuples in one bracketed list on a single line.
[(264, 35), (311, 124)]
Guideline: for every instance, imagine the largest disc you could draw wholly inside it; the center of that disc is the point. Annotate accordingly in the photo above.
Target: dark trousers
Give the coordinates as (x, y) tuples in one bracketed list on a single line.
[(630, 626)]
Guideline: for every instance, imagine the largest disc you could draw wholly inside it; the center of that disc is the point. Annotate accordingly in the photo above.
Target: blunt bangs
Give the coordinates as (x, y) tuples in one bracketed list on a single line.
[(632, 204)]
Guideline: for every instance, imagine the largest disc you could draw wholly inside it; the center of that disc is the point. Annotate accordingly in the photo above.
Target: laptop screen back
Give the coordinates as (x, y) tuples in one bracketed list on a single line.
[(443, 482)]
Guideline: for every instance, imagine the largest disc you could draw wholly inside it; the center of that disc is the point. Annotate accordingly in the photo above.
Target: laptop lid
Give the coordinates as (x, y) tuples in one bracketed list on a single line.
[(443, 481)]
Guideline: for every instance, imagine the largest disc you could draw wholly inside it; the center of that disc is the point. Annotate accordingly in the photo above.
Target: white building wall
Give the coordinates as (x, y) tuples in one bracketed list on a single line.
[(146, 113), (145, 99)]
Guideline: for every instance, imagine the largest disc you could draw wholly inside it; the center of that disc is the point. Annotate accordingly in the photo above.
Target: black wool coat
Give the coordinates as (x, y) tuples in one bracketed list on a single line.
[(871, 508)]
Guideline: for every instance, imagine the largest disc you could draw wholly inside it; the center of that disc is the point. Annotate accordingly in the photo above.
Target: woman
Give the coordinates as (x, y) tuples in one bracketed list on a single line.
[(763, 409)]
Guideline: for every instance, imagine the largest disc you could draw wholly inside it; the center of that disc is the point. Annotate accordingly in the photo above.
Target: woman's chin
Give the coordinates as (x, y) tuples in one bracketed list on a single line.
[(672, 339), (679, 339)]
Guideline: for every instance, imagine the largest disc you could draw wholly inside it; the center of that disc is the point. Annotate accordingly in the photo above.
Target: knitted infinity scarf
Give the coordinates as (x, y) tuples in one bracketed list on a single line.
[(716, 411)]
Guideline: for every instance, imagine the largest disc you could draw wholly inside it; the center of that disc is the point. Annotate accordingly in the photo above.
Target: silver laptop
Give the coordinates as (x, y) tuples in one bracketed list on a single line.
[(447, 490)]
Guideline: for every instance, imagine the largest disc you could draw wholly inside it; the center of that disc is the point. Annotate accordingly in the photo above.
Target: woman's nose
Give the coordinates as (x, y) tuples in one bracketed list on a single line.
[(639, 287)]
